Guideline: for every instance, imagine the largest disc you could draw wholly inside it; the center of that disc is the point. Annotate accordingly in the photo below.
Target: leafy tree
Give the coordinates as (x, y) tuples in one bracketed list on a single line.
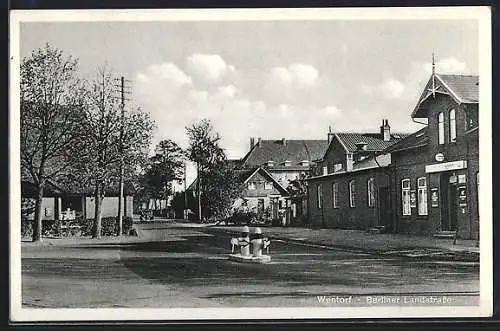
[(204, 150), (51, 106), (99, 157), (165, 167), (220, 187)]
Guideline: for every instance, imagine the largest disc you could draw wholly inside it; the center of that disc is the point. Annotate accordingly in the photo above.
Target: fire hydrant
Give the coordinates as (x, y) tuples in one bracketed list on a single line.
[(244, 241), (257, 243)]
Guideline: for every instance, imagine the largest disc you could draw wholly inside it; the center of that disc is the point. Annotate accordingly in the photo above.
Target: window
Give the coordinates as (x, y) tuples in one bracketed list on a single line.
[(453, 126), (320, 196), (371, 192), (441, 128), (251, 186), (405, 196), (337, 167), (352, 194), (268, 186), (325, 170), (335, 195), (422, 196)]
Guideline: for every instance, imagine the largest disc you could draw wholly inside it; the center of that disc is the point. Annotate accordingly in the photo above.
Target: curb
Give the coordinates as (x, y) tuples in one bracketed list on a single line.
[(442, 255)]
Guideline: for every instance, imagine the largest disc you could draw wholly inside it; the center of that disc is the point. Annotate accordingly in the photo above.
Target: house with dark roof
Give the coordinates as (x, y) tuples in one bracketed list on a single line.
[(436, 169), (349, 178), (285, 161), (425, 183), (63, 201)]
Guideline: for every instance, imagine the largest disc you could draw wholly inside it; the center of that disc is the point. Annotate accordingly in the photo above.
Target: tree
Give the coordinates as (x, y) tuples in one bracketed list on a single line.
[(51, 106), (205, 151), (99, 157), (216, 184), (220, 187), (165, 167)]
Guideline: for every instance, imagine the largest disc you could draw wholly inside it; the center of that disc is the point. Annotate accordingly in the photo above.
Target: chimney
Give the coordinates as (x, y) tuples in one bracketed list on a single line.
[(252, 142), (385, 130), (283, 141), (330, 134), (258, 141)]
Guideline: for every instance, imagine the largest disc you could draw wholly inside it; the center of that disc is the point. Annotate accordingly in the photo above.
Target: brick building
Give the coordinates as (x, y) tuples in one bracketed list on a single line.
[(425, 183)]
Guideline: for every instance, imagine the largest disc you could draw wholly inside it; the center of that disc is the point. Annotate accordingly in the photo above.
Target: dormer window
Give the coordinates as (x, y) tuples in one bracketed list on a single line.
[(287, 163)]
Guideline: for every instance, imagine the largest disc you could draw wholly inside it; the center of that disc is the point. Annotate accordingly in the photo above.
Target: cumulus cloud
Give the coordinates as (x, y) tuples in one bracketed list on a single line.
[(390, 88), (208, 67), (297, 75), (167, 74)]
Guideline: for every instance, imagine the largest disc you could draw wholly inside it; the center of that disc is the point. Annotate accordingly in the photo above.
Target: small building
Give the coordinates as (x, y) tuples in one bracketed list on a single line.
[(58, 201), (350, 185), (287, 161), (262, 193)]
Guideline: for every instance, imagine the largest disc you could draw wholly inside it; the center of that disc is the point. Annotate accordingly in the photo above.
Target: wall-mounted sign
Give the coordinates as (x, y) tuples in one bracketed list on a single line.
[(447, 166), (461, 179), (413, 198), (439, 157), (462, 196), (434, 197)]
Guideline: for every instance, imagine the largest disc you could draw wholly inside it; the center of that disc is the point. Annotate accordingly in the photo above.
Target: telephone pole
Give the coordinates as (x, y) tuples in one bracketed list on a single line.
[(121, 201), (184, 212)]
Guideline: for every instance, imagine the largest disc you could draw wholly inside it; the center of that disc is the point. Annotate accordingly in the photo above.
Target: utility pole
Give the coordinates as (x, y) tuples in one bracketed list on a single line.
[(185, 191), (198, 189)]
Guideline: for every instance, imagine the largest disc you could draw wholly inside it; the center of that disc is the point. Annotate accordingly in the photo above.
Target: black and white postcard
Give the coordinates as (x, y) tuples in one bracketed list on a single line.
[(250, 164)]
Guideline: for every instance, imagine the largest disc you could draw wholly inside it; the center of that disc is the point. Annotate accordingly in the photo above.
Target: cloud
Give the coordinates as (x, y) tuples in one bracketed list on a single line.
[(167, 74), (390, 88), (297, 75), (449, 65), (208, 67)]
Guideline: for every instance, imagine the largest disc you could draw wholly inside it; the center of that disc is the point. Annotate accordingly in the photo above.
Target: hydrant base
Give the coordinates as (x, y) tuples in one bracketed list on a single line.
[(250, 258)]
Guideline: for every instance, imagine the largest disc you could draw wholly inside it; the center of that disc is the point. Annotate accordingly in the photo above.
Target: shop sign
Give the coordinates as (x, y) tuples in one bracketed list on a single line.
[(462, 196), (413, 199), (447, 166), (434, 197), (461, 179), (439, 157)]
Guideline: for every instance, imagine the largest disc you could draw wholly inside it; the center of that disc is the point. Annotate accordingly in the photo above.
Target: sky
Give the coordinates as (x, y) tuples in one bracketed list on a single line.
[(269, 79)]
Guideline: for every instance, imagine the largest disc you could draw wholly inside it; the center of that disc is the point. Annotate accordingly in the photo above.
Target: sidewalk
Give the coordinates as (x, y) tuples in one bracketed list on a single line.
[(364, 242)]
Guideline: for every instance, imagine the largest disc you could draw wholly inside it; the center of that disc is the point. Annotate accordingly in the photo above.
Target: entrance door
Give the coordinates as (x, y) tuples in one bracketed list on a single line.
[(385, 207), (448, 183), (274, 208)]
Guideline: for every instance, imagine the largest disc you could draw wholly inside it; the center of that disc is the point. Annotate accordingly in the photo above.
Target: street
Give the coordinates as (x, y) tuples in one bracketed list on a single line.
[(182, 266)]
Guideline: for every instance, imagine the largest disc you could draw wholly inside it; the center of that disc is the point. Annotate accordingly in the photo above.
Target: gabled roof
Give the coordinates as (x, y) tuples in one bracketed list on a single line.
[(462, 88), (374, 141), (246, 175), (416, 139), (294, 151)]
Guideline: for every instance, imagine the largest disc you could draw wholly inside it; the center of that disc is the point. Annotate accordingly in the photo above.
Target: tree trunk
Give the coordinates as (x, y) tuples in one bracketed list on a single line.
[(96, 233), (37, 221)]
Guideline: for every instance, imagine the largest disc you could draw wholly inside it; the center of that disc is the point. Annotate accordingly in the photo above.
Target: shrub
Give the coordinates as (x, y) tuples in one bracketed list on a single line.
[(108, 225)]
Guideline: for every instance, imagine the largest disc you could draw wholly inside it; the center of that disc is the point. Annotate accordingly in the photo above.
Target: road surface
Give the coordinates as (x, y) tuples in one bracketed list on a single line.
[(188, 267)]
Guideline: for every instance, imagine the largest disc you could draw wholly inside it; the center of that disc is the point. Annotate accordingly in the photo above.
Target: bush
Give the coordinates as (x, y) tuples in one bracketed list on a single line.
[(108, 225), (242, 217)]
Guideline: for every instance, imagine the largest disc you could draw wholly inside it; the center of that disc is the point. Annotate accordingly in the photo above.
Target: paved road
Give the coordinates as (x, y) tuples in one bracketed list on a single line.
[(189, 268)]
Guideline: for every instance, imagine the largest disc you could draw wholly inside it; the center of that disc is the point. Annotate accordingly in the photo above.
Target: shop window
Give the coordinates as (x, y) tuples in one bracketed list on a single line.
[(453, 126), (335, 195), (422, 196), (251, 186), (352, 194), (371, 192), (441, 128), (319, 195), (405, 196)]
